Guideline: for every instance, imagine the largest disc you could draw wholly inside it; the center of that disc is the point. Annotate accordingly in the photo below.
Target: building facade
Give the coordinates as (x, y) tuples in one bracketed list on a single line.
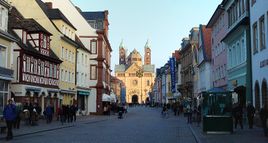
[(6, 55), (204, 59), (259, 51), (36, 66), (189, 81), (138, 77), (60, 45), (219, 26), (237, 41), (97, 42)]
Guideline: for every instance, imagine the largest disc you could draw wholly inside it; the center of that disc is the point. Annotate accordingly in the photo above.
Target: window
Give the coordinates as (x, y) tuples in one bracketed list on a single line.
[(3, 57), (50, 70), (73, 79), (255, 38), (42, 68), (86, 59), (73, 57), (3, 18), (93, 46), (66, 54), (262, 33), (35, 66), (70, 56), (69, 77), (77, 78), (55, 71), (82, 58), (148, 82), (93, 72), (62, 75), (45, 41), (82, 78), (62, 52), (66, 76)]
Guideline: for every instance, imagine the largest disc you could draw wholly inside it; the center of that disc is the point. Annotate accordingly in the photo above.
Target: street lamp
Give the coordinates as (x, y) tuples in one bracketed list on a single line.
[(139, 74)]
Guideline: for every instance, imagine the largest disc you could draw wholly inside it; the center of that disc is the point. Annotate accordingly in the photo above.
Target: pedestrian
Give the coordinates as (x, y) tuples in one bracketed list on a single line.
[(238, 116), (19, 115), (189, 112), (198, 112), (264, 119), (250, 115), (49, 113), (9, 115)]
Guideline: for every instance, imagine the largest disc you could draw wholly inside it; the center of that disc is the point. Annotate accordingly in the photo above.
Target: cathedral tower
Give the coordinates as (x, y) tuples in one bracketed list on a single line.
[(122, 54), (147, 54)]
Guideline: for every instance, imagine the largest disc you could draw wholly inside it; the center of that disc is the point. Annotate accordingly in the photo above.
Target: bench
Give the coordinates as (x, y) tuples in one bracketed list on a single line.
[(3, 129)]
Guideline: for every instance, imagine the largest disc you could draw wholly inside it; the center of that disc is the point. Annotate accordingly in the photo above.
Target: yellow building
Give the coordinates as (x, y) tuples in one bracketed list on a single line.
[(62, 43), (137, 77)]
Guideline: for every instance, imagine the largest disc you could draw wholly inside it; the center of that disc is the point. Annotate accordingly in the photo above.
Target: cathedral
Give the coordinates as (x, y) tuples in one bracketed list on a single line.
[(138, 76)]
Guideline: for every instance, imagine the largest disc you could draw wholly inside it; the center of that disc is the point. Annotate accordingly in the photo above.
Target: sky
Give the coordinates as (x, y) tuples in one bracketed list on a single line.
[(163, 22)]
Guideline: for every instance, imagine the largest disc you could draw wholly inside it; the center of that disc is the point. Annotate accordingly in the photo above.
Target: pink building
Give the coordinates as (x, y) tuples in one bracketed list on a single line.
[(219, 25)]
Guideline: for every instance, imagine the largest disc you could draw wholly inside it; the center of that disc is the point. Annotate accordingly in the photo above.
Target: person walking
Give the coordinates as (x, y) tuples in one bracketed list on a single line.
[(49, 113), (264, 118), (9, 115), (189, 114), (250, 115), (238, 116)]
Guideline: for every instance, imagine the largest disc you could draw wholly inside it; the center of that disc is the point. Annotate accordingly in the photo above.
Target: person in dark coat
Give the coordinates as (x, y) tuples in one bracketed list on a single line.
[(264, 118), (250, 115), (238, 115), (49, 113), (9, 115)]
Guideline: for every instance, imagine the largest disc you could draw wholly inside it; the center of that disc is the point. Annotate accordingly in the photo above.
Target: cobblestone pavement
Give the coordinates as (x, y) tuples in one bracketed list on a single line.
[(139, 125)]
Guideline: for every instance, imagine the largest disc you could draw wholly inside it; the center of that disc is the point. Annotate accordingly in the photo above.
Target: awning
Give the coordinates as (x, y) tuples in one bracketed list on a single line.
[(83, 93), (106, 98)]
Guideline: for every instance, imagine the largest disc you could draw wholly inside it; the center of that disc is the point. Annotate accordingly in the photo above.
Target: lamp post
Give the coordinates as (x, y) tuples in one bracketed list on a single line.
[(139, 74)]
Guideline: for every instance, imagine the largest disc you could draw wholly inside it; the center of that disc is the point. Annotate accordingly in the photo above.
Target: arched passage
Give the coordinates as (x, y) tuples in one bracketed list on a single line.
[(264, 93)]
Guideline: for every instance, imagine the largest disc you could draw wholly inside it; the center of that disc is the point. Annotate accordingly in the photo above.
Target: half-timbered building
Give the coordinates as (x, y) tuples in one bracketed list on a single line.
[(36, 66)]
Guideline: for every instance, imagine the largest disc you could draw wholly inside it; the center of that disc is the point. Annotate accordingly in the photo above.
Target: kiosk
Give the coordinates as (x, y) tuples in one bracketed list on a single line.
[(217, 112)]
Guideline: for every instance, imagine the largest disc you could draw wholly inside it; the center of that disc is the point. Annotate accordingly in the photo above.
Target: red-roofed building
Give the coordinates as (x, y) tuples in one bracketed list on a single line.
[(204, 59)]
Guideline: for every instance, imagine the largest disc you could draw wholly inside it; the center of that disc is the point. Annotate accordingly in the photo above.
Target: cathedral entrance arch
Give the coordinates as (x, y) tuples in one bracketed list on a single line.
[(135, 99)]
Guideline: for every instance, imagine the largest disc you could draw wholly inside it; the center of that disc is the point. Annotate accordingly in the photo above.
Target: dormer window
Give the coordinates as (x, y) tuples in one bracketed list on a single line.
[(44, 44)]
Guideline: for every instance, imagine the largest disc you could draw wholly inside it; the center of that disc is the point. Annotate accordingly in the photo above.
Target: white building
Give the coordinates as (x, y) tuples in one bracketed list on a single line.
[(96, 41), (259, 51), (204, 58)]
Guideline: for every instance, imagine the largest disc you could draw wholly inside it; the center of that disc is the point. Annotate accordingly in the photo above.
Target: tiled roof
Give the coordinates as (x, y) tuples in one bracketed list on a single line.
[(206, 41), (16, 21), (120, 68), (94, 15), (57, 14), (80, 44), (148, 68)]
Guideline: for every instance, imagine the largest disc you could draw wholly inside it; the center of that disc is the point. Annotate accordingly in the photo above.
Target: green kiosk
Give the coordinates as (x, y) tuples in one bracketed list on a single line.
[(217, 112)]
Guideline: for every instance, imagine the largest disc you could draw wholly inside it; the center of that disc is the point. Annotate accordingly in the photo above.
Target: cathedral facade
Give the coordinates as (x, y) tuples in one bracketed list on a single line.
[(137, 75)]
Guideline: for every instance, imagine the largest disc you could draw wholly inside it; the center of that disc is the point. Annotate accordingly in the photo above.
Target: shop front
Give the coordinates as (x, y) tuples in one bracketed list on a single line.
[(82, 101)]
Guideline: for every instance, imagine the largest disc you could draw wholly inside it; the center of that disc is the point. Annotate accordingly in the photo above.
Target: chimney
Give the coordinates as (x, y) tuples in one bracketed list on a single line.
[(49, 5)]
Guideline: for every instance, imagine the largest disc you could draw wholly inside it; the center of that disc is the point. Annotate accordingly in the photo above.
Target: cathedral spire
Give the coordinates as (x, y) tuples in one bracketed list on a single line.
[(147, 45), (121, 44), (147, 53)]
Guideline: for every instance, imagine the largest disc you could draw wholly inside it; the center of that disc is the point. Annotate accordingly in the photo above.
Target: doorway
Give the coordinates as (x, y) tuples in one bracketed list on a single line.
[(135, 99)]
